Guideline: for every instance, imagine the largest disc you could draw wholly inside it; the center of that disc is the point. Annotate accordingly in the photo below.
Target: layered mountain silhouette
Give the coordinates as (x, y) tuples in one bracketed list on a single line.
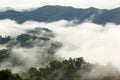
[(55, 13)]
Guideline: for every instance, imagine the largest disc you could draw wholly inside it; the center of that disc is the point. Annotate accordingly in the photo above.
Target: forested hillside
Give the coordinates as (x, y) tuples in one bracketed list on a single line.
[(55, 13)]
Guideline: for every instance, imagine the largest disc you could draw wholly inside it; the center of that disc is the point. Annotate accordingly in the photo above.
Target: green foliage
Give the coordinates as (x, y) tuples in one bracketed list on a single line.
[(59, 70), (53, 47), (38, 37), (4, 40), (71, 69), (7, 75), (4, 53), (24, 40), (39, 30), (23, 37)]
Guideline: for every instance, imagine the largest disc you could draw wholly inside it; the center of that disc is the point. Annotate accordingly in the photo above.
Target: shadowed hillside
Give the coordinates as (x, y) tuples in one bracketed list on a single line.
[(55, 13)]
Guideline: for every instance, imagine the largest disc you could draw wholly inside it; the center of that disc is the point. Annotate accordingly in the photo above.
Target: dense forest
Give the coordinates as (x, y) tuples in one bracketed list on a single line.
[(56, 70), (71, 69)]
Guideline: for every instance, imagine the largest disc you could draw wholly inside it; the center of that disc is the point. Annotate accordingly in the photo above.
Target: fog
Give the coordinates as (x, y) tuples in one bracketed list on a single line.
[(26, 4), (95, 43)]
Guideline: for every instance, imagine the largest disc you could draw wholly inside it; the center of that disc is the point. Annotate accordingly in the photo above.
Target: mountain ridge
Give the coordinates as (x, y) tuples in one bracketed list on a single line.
[(55, 13)]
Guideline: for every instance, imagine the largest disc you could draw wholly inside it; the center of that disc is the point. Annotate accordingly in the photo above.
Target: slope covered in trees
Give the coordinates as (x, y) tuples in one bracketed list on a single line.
[(71, 69), (35, 46), (55, 13)]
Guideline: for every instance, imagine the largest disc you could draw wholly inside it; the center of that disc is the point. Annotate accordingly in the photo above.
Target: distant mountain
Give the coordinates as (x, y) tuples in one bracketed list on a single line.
[(5, 9), (55, 13)]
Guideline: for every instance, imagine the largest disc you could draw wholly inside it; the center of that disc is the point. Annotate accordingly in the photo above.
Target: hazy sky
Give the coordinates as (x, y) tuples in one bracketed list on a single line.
[(24, 4)]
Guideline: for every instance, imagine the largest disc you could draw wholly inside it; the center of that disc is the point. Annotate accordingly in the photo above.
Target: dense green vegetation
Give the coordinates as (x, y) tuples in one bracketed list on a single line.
[(56, 70), (71, 69), (4, 40), (7, 75), (4, 53), (38, 37)]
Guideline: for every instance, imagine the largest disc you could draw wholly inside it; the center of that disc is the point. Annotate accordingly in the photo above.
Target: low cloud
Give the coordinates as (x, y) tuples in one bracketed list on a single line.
[(91, 41)]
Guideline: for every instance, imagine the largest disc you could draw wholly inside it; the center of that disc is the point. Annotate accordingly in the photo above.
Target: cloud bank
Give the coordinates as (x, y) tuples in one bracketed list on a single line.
[(94, 42)]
